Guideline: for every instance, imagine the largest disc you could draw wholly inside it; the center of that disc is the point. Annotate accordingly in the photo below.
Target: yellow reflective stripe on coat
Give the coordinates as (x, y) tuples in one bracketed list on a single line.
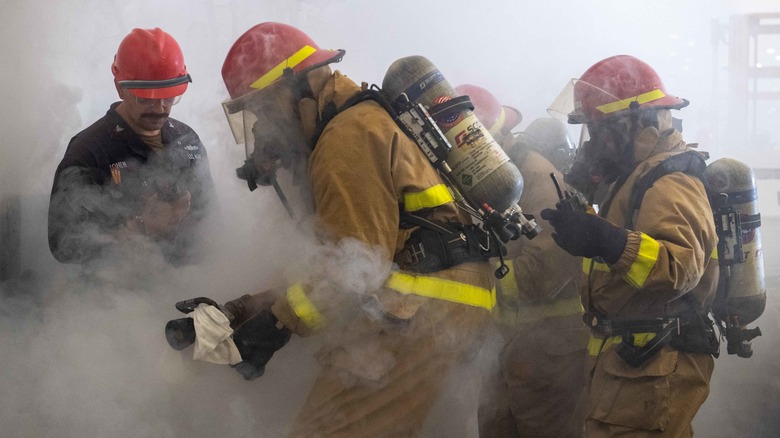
[(597, 266), (620, 105), (303, 307), (598, 345), (569, 306), (508, 284), (276, 72), (429, 198), (645, 261), (441, 289)]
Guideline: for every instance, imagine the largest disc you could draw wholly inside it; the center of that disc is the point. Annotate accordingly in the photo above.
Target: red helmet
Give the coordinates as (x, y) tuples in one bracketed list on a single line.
[(260, 56), (608, 88), (489, 111), (150, 64)]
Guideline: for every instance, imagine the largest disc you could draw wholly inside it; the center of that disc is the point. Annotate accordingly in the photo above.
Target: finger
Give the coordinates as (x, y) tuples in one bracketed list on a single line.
[(549, 214)]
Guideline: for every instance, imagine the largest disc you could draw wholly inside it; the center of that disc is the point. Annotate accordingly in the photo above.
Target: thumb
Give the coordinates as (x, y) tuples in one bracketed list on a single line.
[(549, 214)]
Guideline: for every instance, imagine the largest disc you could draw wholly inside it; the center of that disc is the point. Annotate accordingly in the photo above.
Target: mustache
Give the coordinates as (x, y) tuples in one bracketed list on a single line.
[(155, 115)]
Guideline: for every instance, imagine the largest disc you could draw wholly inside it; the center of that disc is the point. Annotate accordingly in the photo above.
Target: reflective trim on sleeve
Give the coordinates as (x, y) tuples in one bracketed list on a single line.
[(714, 254), (303, 307), (441, 289), (599, 345), (276, 72), (620, 105), (645, 261), (428, 198)]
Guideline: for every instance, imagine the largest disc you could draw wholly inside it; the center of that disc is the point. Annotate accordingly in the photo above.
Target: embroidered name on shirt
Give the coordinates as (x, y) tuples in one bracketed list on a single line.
[(116, 173)]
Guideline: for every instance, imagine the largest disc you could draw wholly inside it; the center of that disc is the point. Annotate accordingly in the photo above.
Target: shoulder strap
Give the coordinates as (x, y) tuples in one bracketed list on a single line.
[(690, 162), (332, 111)]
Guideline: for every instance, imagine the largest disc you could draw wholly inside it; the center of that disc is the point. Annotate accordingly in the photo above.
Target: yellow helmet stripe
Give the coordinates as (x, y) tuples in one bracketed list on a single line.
[(499, 123), (276, 72), (620, 105)]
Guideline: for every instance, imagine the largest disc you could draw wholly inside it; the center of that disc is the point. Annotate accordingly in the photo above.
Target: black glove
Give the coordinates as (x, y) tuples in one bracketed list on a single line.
[(180, 333), (586, 235), (257, 340)]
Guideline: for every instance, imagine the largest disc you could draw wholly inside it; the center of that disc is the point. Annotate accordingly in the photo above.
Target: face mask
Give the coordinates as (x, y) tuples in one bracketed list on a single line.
[(587, 170)]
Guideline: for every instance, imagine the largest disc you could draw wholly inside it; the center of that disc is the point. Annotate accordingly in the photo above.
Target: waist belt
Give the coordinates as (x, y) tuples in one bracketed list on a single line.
[(639, 340), (609, 327), (597, 345)]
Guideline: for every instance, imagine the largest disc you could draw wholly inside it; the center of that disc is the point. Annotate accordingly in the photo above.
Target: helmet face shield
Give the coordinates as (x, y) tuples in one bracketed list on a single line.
[(266, 122), (614, 86), (563, 105)]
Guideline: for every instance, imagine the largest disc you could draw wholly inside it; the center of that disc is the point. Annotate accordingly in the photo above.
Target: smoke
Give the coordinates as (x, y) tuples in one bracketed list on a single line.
[(83, 353)]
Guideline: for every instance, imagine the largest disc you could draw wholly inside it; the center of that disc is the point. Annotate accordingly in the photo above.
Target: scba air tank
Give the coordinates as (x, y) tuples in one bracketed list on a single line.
[(480, 167), (741, 292)]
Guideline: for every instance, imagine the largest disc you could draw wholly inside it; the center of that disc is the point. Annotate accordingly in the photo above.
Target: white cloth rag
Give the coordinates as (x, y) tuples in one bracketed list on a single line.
[(213, 340)]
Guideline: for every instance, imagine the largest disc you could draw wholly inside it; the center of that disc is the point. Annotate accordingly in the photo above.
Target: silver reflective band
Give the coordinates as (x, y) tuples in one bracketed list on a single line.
[(156, 84)]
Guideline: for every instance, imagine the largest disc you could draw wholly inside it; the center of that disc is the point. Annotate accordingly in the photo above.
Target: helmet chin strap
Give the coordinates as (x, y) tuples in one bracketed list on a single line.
[(299, 84)]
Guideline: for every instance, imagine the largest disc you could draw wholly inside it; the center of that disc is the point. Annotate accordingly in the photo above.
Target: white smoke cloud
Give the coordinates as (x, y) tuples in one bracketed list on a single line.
[(87, 356)]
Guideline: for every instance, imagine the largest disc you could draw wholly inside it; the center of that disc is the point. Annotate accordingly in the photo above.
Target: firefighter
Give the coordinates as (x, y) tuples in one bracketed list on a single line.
[(135, 172), (392, 337), (648, 255), (536, 389)]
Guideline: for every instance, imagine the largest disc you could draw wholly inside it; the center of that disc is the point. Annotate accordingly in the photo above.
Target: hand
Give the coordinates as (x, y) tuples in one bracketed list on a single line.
[(180, 333), (586, 235), (257, 340), (160, 218)]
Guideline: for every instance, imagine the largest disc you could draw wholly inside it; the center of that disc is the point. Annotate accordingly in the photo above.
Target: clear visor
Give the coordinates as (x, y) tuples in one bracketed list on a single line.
[(241, 123), (241, 120), (565, 108), (563, 105)]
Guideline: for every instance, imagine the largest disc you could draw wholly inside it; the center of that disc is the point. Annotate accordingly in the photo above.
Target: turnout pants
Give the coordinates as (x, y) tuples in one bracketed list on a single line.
[(657, 399), (381, 377)]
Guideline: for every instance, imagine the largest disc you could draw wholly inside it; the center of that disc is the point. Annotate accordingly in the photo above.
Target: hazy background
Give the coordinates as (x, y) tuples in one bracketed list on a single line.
[(89, 359)]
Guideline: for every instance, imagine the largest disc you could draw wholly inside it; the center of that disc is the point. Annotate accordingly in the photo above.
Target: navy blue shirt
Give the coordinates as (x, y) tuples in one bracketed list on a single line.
[(107, 174)]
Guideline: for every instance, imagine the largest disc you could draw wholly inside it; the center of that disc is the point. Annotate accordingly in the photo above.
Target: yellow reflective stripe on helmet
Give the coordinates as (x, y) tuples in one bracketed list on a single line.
[(597, 266), (276, 72), (598, 345), (428, 198), (441, 289), (644, 263), (499, 123), (620, 105), (303, 307)]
